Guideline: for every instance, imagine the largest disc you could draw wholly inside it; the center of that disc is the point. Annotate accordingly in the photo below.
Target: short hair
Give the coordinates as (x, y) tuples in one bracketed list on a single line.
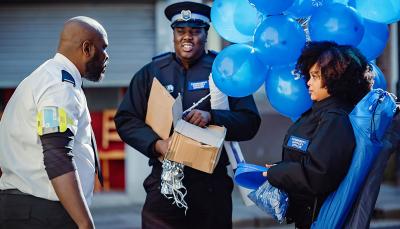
[(345, 72)]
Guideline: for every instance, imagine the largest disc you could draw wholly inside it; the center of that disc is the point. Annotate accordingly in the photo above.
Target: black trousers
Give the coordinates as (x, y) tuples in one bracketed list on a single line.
[(21, 211), (209, 198)]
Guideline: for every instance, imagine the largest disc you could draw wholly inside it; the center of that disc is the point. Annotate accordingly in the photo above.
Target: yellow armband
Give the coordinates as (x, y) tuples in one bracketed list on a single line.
[(53, 120)]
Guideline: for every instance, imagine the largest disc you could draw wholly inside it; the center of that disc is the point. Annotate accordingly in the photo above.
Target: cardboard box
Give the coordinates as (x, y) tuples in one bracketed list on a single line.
[(159, 110), (196, 147), (193, 146)]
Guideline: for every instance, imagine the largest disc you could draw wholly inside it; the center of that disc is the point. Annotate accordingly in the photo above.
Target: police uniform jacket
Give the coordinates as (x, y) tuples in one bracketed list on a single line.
[(242, 121), (317, 153), (55, 84)]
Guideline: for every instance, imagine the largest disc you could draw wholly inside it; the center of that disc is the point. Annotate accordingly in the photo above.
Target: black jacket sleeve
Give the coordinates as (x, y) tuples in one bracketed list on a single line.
[(326, 162), (241, 121), (131, 114)]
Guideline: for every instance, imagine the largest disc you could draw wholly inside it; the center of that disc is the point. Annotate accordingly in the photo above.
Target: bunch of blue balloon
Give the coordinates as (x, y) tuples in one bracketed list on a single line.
[(240, 69), (270, 31)]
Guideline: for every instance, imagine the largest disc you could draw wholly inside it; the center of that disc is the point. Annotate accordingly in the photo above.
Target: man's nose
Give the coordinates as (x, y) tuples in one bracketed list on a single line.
[(187, 36)]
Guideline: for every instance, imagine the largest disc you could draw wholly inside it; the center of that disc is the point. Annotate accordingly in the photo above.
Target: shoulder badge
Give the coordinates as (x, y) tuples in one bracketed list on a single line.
[(65, 76)]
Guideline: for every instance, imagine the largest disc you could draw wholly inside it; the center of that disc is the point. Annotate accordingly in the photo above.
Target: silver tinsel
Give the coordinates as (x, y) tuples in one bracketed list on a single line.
[(171, 183)]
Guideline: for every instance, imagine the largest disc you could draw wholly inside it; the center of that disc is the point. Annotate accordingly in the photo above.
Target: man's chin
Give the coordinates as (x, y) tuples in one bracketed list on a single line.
[(94, 78)]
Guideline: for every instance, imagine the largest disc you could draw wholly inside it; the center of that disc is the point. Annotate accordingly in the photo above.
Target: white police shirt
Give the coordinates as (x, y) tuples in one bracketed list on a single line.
[(21, 153)]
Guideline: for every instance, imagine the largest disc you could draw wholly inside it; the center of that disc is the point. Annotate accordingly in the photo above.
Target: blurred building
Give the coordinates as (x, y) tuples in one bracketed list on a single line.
[(137, 30)]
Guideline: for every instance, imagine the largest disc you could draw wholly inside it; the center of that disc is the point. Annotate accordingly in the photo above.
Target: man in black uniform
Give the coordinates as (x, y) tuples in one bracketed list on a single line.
[(208, 195)]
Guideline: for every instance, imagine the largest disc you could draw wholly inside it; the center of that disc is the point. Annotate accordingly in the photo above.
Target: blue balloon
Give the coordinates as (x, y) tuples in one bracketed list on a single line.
[(383, 11), (271, 7), (336, 22), (245, 18), (279, 40), (237, 72), (352, 3), (344, 2), (234, 20), (287, 93), (303, 8), (374, 40), (379, 77)]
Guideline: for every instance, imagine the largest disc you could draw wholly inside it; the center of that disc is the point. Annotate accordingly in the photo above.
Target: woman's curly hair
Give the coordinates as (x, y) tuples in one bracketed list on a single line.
[(344, 70)]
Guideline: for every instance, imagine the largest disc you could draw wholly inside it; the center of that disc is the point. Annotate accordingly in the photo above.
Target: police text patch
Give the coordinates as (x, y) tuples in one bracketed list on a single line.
[(298, 143), (192, 86)]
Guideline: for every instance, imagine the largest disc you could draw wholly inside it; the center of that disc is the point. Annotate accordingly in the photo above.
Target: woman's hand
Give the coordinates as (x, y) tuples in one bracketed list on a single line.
[(268, 166)]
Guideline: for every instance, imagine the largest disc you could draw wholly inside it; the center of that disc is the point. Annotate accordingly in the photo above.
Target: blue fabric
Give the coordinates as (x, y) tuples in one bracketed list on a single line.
[(65, 76), (370, 119), (271, 200), (250, 176)]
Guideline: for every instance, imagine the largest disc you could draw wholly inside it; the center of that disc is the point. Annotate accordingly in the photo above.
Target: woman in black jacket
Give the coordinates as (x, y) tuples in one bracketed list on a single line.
[(318, 147)]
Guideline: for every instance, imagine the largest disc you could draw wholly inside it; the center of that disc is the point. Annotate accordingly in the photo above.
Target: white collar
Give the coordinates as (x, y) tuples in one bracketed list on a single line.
[(72, 69)]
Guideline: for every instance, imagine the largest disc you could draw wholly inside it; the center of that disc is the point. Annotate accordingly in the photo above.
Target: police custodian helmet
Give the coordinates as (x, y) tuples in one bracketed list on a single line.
[(189, 14)]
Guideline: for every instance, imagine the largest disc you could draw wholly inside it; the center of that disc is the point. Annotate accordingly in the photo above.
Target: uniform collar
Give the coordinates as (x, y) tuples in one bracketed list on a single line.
[(325, 103), (70, 67), (191, 64)]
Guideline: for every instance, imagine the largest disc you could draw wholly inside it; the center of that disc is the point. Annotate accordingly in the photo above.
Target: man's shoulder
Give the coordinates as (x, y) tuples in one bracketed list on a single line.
[(162, 56), (52, 75), (163, 59), (212, 53), (209, 58)]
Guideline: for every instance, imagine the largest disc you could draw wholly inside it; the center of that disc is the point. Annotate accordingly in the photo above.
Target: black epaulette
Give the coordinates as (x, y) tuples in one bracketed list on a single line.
[(163, 59), (212, 53), (208, 60)]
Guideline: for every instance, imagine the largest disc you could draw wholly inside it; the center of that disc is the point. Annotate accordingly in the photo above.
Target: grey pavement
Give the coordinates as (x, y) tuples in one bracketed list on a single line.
[(114, 211)]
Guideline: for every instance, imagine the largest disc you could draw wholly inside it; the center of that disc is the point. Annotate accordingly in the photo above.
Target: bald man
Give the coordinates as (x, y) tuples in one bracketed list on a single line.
[(47, 150)]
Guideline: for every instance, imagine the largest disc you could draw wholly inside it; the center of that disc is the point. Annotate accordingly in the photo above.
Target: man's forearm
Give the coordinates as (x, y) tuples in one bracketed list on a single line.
[(68, 190)]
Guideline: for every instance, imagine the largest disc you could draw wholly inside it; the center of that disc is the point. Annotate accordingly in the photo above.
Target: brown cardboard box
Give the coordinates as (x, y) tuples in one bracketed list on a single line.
[(196, 147), (159, 110), (191, 145)]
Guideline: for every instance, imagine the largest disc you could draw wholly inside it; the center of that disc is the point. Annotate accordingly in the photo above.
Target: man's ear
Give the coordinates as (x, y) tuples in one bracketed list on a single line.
[(87, 48)]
